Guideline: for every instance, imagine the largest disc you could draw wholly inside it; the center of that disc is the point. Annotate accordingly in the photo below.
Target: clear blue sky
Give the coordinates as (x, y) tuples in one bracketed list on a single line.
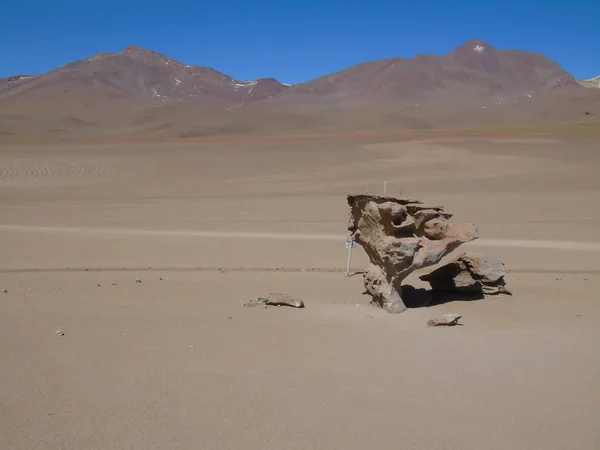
[(293, 41)]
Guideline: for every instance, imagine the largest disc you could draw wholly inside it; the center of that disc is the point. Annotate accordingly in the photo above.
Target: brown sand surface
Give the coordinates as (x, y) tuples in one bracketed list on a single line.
[(175, 362)]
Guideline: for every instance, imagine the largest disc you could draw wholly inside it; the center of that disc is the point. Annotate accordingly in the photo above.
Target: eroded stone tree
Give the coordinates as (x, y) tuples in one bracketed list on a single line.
[(400, 236)]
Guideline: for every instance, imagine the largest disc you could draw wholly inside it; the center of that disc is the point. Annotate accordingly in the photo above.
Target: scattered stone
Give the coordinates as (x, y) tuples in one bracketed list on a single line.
[(274, 299), (445, 320), (4, 291), (113, 284), (400, 236), (98, 285), (160, 279), (60, 332), (254, 304), (137, 280), (469, 273)]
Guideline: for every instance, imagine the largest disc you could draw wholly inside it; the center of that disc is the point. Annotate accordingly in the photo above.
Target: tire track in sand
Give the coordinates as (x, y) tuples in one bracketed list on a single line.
[(23, 171), (254, 269), (518, 243)]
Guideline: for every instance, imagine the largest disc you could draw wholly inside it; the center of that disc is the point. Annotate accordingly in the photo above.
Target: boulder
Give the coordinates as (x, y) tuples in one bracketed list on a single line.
[(400, 236)]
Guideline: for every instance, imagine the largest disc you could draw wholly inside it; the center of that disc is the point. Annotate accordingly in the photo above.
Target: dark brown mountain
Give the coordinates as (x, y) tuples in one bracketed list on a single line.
[(139, 74), (473, 71), (142, 93)]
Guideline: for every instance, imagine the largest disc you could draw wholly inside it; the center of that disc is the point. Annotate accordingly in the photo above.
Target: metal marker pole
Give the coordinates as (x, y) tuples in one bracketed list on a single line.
[(350, 244), (348, 262)]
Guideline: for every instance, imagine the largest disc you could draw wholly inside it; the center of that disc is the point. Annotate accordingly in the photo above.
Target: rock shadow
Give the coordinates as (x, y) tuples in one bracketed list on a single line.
[(424, 298)]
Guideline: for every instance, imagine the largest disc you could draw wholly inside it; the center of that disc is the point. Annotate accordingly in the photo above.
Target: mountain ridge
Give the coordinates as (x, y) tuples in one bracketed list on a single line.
[(138, 91)]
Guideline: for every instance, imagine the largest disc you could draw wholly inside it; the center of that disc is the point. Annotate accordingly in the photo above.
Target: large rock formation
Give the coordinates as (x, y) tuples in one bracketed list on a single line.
[(401, 236), (469, 273)]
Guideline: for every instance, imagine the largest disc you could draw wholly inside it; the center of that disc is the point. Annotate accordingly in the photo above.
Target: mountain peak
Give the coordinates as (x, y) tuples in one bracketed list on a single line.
[(474, 45), (132, 49), (150, 56)]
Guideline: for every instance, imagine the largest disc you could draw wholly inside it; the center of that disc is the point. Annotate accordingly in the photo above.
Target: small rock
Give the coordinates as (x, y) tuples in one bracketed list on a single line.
[(137, 280), (160, 279), (274, 299), (60, 332), (98, 285), (113, 284), (230, 317), (5, 291), (277, 299), (446, 319)]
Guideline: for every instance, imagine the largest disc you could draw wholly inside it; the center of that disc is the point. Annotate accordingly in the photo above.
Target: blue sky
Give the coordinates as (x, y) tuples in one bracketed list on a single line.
[(293, 41)]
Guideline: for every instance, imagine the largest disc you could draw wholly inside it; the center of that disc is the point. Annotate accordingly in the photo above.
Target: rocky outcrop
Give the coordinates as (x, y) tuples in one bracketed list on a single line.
[(400, 236), (469, 273)]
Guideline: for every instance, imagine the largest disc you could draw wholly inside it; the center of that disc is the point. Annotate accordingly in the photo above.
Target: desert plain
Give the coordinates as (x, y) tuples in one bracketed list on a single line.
[(142, 254)]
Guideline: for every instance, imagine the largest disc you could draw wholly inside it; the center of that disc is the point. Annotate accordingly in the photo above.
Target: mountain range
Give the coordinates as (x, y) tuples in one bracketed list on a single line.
[(140, 92)]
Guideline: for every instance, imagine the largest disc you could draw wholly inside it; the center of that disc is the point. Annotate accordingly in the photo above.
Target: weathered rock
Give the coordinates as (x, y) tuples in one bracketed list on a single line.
[(469, 273), (274, 299), (400, 236), (445, 320), (60, 332)]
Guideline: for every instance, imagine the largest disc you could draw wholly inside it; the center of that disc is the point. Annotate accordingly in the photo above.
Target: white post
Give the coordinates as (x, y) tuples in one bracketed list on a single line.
[(348, 262), (385, 188), (349, 244)]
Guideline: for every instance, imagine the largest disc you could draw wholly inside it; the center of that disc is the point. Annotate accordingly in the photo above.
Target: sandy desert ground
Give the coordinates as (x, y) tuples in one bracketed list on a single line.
[(174, 361)]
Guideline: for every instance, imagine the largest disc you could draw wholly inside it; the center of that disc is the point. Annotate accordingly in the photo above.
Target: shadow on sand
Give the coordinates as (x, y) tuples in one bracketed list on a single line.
[(423, 298)]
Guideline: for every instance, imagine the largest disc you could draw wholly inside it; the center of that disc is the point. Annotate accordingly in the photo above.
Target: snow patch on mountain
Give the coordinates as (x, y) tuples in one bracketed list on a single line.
[(591, 82)]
